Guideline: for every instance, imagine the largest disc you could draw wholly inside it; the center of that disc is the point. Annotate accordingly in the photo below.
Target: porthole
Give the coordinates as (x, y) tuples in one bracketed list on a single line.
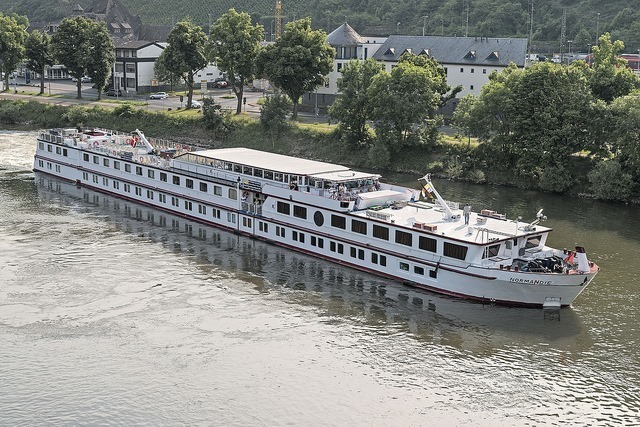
[(318, 218)]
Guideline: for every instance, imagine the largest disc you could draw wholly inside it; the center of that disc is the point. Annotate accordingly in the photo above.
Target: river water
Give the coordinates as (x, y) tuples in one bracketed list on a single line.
[(113, 313)]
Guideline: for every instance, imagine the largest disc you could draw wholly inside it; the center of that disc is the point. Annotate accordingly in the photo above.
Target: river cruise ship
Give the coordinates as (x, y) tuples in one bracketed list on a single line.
[(328, 211)]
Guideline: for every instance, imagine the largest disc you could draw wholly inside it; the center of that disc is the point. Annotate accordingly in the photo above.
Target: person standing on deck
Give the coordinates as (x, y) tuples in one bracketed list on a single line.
[(467, 212)]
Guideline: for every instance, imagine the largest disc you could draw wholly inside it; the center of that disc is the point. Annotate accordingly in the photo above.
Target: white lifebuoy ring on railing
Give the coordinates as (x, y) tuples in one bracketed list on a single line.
[(141, 159), (114, 152)]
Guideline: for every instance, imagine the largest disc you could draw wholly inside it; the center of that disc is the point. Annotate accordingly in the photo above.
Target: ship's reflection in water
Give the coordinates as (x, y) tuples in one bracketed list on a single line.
[(338, 294)]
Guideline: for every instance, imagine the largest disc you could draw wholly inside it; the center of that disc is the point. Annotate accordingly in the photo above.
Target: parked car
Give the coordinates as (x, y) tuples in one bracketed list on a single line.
[(83, 79), (113, 92), (159, 95), (220, 84), (196, 104)]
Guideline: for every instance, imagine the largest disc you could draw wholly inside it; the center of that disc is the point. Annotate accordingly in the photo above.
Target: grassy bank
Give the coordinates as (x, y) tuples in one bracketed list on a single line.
[(310, 140)]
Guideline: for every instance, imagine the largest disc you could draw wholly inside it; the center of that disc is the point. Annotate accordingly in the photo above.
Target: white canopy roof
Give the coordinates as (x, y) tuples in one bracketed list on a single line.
[(282, 163)]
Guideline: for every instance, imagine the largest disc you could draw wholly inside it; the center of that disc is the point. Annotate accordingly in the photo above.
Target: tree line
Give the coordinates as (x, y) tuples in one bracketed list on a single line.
[(559, 128)]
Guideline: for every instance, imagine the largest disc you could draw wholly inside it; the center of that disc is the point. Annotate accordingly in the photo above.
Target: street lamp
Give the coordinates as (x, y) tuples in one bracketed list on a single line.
[(398, 28), (424, 23)]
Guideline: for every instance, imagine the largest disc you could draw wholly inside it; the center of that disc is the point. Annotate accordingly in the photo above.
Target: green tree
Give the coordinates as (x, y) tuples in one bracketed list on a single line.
[(298, 61), (186, 53), (462, 115), (13, 34), (103, 56), (611, 78), (351, 106), (403, 102), (234, 45), (80, 45), (273, 115), (163, 74), (38, 53), (625, 130)]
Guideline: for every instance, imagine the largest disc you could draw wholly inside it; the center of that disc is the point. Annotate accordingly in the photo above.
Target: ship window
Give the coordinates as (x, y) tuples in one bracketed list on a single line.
[(231, 217), (215, 213), (332, 246), (176, 180), (418, 270), (105, 162), (283, 208), (380, 232), (237, 168), (374, 257), (203, 187), (280, 231), (361, 254), (299, 212), (301, 237), (95, 159), (433, 273), (127, 167), (64, 152), (116, 165), (85, 157), (353, 252), (257, 172), (320, 243), (233, 194), (217, 190), (163, 177), (313, 240), (508, 244), (149, 194), (491, 251), (404, 238), (358, 226), (338, 221), (247, 170), (455, 251), (268, 174), (533, 242), (188, 205), (427, 244), (263, 226), (40, 145), (139, 170), (383, 260), (151, 173), (404, 266), (49, 148), (188, 183), (340, 248), (202, 209)]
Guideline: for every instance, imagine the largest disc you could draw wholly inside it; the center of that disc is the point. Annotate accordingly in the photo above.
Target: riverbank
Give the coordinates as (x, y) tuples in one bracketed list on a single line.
[(450, 157)]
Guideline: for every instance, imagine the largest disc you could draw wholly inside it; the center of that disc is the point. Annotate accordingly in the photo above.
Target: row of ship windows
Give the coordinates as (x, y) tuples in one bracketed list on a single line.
[(381, 232), (59, 150), (338, 248), (163, 176), (152, 195)]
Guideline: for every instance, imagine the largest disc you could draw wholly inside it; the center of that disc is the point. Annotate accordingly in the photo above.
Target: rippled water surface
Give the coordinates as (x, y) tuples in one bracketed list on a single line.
[(113, 313)]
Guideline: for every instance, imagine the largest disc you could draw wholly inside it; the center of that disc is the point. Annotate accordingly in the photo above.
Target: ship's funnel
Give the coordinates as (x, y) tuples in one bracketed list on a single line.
[(583, 263)]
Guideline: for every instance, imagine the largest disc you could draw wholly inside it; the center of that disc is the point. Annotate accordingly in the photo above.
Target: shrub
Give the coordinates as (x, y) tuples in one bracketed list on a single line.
[(556, 178), (273, 113), (609, 182)]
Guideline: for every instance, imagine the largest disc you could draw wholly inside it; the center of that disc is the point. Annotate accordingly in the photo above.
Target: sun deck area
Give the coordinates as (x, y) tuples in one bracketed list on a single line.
[(430, 217)]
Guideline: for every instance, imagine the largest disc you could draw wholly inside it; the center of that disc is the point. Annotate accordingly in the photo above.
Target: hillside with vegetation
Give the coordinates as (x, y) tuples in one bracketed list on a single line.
[(489, 18)]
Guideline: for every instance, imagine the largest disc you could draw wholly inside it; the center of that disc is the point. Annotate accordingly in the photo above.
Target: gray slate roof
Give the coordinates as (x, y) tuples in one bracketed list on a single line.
[(344, 35), (457, 50)]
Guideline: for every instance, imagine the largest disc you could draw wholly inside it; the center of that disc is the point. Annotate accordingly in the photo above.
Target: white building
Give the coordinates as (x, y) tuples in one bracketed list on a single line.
[(468, 61)]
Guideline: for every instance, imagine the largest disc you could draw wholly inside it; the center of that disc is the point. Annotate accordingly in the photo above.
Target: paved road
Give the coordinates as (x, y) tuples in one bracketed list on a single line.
[(63, 92)]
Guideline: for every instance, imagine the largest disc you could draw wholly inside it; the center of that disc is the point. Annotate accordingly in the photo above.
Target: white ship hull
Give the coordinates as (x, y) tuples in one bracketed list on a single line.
[(315, 221)]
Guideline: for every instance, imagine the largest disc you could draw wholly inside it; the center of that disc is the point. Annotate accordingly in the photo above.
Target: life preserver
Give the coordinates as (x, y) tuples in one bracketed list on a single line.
[(141, 159), (114, 152)]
